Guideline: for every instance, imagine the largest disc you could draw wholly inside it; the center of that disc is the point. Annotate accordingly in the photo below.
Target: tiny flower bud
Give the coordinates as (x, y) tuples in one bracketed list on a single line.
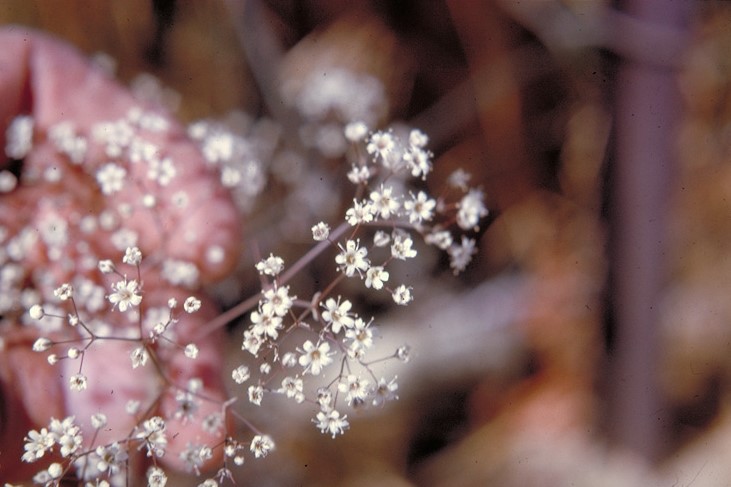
[(42, 344), (36, 312)]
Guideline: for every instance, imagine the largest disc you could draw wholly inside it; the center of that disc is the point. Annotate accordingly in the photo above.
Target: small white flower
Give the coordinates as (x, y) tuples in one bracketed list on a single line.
[(42, 344), (261, 445), (78, 382), (156, 477), (355, 389), (252, 342), (402, 295), (37, 443), (191, 351), (331, 422), (139, 357), (359, 174), (384, 203), (356, 131), (352, 258), (36, 312), (461, 255), (271, 266), (315, 357), (111, 178), (403, 353), (417, 138), (125, 295), (420, 207), (381, 144), (279, 299), (360, 335), (192, 304), (320, 232), (240, 374), (132, 256), (360, 212), (402, 247), (256, 394), (73, 353), (375, 277), (265, 321), (337, 314), (381, 239), (293, 387), (106, 266), (64, 292), (384, 391), (442, 239), (98, 420), (471, 209)]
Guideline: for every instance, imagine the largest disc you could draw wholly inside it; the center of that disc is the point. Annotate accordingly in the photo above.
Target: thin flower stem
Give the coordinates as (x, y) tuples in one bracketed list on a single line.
[(241, 308)]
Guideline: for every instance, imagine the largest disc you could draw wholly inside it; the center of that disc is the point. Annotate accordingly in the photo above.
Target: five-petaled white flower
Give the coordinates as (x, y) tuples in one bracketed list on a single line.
[(261, 445), (315, 357), (375, 277), (352, 258), (331, 422), (337, 314), (125, 294)]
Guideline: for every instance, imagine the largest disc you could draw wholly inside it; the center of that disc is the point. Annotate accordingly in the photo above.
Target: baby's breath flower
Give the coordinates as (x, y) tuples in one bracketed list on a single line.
[(315, 357), (156, 477), (331, 422), (78, 382), (191, 351), (240, 374), (289, 360), (192, 304), (37, 443), (261, 445), (442, 239), (360, 212), (111, 178), (139, 357), (52, 359), (256, 394), (471, 209), (402, 247), (279, 299), (360, 335), (106, 266), (402, 295), (356, 131), (265, 321), (375, 277), (42, 344), (271, 266), (320, 232), (355, 389), (352, 258), (420, 207), (403, 353), (73, 353), (381, 239), (337, 314), (459, 179), (132, 256), (381, 144), (417, 138), (384, 203), (293, 387), (384, 391), (324, 398), (64, 292), (461, 255), (359, 174), (36, 312), (125, 295), (172, 303), (252, 342), (98, 420), (265, 368)]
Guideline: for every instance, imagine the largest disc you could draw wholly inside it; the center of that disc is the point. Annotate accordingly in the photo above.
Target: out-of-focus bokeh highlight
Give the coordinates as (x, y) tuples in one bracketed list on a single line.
[(589, 342)]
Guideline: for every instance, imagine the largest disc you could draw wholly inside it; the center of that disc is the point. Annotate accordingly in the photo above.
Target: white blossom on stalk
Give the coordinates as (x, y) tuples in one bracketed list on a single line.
[(331, 422), (271, 266), (125, 295), (471, 209), (139, 357), (320, 232), (375, 277), (352, 258), (384, 203), (337, 314), (132, 256), (261, 445), (192, 304), (402, 295), (78, 382), (461, 255), (315, 357), (420, 207)]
